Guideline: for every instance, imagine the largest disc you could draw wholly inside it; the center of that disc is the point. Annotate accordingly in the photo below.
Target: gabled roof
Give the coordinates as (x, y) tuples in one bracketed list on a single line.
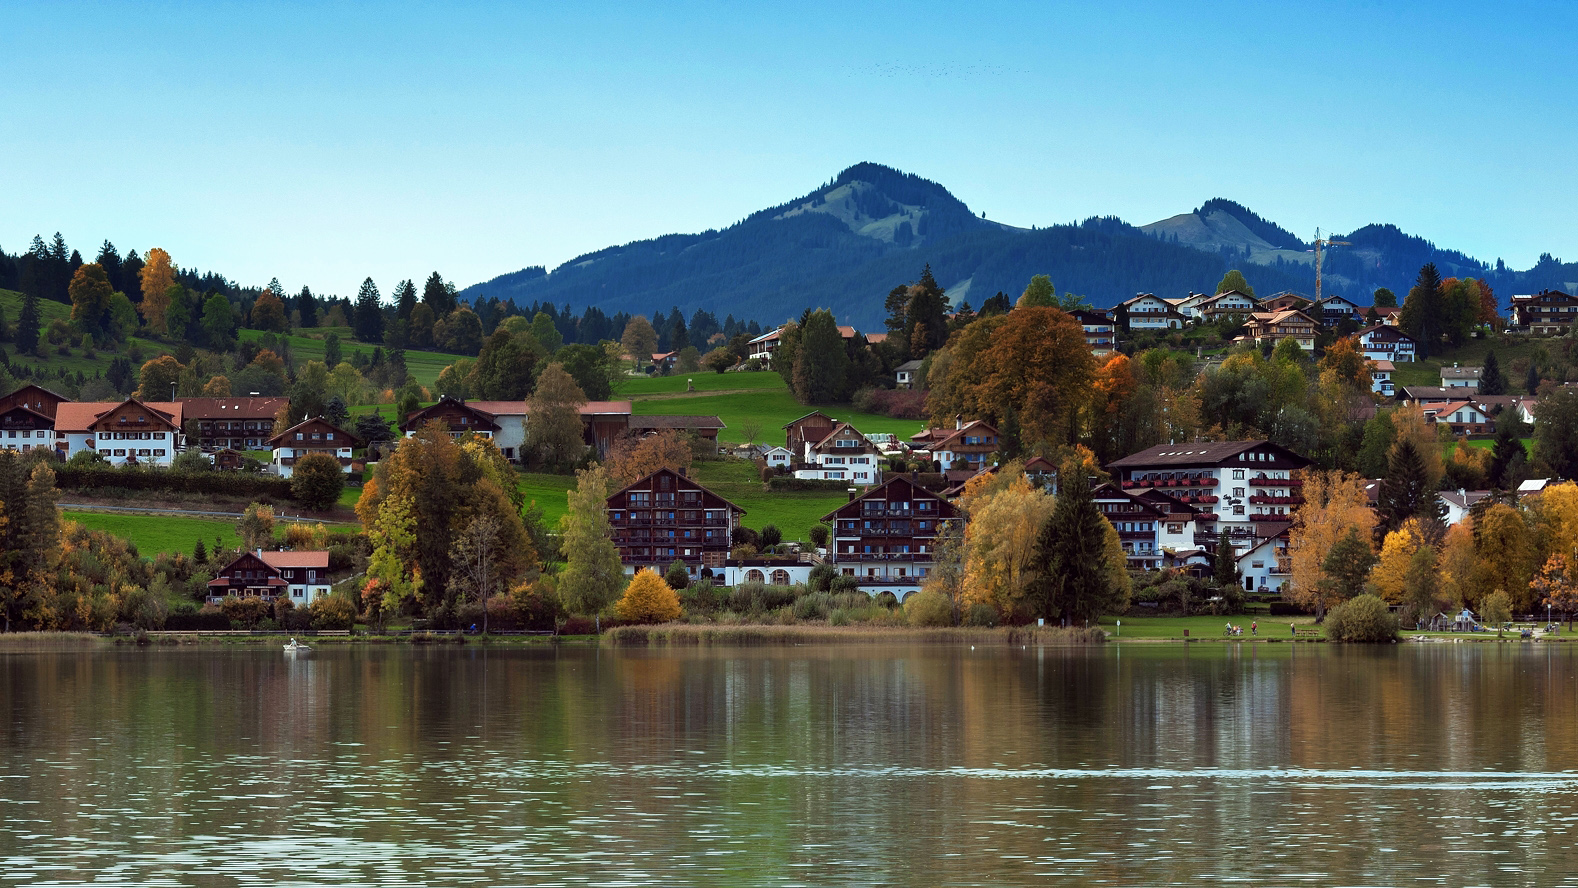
[(937, 438), (419, 417), (23, 408), (226, 408), (1329, 299), (945, 509), (839, 429), (676, 421), (316, 420), (79, 416), (1197, 454), (642, 481), (909, 366), (1440, 410), (1429, 393), (808, 416), (1461, 372), (296, 559), (1382, 364), (1386, 331)]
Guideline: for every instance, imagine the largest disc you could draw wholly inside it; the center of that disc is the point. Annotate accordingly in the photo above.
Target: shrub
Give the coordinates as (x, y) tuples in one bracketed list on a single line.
[(678, 576), (856, 600), (843, 583), (648, 599), (579, 626), (1362, 619), (814, 606), (929, 608), (316, 481), (819, 535), (537, 605), (702, 598), (246, 611), (821, 577), (771, 536), (888, 600), (332, 612), (1288, 609), (981, 614)]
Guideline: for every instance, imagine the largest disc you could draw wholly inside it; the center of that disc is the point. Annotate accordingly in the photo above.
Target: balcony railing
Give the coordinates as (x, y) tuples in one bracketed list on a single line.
[(1266, 500)]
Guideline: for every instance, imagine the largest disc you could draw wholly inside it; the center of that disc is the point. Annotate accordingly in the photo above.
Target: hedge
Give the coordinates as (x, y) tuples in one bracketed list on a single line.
[(228, 483), (1288, 609), (787, 482)]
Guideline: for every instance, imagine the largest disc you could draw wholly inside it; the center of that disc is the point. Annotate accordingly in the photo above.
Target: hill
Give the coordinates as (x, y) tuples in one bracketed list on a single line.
[(846, 244)]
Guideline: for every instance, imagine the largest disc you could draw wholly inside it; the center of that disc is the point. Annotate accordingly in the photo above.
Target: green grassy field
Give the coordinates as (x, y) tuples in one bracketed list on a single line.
[(308, 346), (152, 534), (1203, 627), (743, 398), (1508, 350)]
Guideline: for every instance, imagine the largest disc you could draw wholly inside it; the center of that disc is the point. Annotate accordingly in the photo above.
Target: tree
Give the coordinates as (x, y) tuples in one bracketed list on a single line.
[(718, 360), (678, 575), (822, 365), (639, 340), (157, 378), (506, 368), (1505, 552), (555, 435), (268, 313), (1557, 585), (1424, 314), (256, 527), (1507, 453), (592, 574), (1078, 579), (1531, 380), (631, 458), (157, 277), (438, 295), (475, 556), (1226, 569), (90, 302), (1347, 566), (369, 321), (1040, 292), (1406, 492), (219, 321), (1384, 298), (27, 325), (1363, 619), (1556, 432), (1390, 576), (648, 599), (1234, 280), (1334, 503), (317, 481), (1496, 609), (459, 332), (1491, 380), (1422, 583)]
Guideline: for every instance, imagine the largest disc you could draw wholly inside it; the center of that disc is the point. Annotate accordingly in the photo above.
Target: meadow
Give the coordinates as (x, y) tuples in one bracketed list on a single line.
[(307, 345), (153, 534), (741, 399)]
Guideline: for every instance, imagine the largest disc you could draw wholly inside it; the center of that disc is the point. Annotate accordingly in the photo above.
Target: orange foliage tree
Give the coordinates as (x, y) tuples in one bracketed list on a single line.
[(1334, 504), (157, 276), (632, 458)]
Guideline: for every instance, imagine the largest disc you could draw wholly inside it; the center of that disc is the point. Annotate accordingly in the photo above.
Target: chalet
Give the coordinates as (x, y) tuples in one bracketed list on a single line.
[(844, 455), (807, 430), (1189, 306), (229, 460), (1390, 315), (27, 419), (1147, 525), (1462, 417), (665, 362), (778, 457), (1464, 379), (1264, 327), (703, 428), (1265, 566), (1381, 378), (313, 436), (1413, 395), (34, 398), (667, 517), (1333, 310), (504, 422), (1285, 301), (968, 445), (302, 577), (907, 374), (1147, 311), (1236, 484), (1543, 313), (1383, 343), (1459, 502), (886, 537), (457, 416), (237, 423), (1098, 331), (762, 347), (1232, 303), (130, 432)]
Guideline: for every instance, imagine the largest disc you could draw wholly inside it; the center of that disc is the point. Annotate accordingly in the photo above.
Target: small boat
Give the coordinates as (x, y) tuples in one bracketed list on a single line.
[(296, 647)]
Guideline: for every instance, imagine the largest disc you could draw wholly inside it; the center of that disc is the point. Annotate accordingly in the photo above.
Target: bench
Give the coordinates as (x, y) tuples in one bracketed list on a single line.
[(1306, 633)]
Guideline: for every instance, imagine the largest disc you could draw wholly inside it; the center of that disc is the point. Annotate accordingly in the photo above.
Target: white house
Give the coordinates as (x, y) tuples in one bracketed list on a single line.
[(1458, 502), (131, 431), (1265, 565), (1150, 312), (1384, 343), (843, 455), (778, 457), (1457, 377), (1381, 378), (771, 571), (1233, 302), (312, 436), (906, 374)]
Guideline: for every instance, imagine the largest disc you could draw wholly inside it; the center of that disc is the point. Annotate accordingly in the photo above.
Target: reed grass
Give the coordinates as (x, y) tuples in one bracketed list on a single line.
[(34, 640), (692, 634)]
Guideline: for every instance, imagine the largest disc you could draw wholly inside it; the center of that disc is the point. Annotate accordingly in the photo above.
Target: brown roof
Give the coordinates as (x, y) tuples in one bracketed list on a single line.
[(77, 416), (676, 421), (1194, 454), (318, 420), (278, 560), (225, 408)]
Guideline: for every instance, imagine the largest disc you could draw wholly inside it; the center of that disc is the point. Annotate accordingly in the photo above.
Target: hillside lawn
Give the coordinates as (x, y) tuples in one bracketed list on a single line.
[(49, 311), (1172, 628), (153, 534), (307, 345), (1509, 349), (742, 398)]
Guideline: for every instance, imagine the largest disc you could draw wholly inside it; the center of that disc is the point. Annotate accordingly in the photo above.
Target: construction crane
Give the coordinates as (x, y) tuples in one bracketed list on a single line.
[(1319, 243)]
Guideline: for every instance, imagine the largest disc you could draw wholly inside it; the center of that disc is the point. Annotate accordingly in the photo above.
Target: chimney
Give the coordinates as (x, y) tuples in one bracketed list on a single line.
[(853, 493), (958, 421)]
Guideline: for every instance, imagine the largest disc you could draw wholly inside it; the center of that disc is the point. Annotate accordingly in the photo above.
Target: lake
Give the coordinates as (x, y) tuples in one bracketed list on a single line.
[(1448, 764)]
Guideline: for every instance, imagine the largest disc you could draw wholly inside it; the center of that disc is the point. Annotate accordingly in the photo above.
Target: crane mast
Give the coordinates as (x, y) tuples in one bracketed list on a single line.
[(1319, 244)]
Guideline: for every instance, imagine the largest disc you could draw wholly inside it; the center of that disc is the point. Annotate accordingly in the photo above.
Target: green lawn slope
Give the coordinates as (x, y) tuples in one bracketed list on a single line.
[(744, 398)]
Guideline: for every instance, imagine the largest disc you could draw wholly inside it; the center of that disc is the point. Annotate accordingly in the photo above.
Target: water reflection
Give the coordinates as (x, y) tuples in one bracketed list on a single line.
[(1140, 765)]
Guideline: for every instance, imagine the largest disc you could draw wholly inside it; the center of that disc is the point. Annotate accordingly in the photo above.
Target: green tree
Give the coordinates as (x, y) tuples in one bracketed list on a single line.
[(1234, 280), (1406, 492), (27, 325), (405, 300), (1226, 569), (1072, 556), (90, 302), (821, 367), (555, 435), (1385, 298), (459, 332), (1424, 311), (438, 295), (1556, 432), (1347, 566), (317, 481), (332, 355), (369, 320), (593, 576), (219, 321), (639, 340), (307, 305), (718, 360), (1491, 380), (1506, 451), (546, 334), (1531, 380), (1040, 292), (1422, 583), (506, 368), (475, 557)]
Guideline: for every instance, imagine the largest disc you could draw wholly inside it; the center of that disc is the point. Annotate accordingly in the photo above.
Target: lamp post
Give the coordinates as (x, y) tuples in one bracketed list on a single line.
[(1120, 628)]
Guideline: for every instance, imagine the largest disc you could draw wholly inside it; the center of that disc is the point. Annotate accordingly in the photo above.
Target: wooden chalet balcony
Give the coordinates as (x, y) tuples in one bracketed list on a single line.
[(1263, 500), (1264, 481), (1270, 517)]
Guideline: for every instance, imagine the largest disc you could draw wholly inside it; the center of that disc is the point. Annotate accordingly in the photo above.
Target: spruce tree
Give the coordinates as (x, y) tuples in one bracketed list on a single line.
[(405, 300), (27, 325), (1491, 380), (1531, 381), (1424, 311), (1226, 573), (308, 306), (1071, 554), (369, 320), (1505, 449), (821, 365), (1406, 492)]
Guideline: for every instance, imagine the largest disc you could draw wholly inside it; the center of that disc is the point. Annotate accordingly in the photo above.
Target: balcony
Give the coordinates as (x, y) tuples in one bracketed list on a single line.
[(1270, 517), (1265, 500), (1264, 481)]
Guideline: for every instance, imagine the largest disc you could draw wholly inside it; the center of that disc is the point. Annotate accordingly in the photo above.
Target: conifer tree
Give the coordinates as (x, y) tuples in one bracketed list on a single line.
[(405, 300), (27, 325), (1506, 449), (1072, 555), (308, 306), (1424, 311), (1226, 573), (369, 320), (1531, 380), (1491, 380), (1406, 491), (821, 365), (438, 295), (1347, 566)]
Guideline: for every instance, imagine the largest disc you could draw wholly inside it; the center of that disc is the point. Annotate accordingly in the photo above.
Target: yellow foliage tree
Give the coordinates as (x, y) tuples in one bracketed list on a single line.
[(1410, 424), (157, 275), (1334, 503), (217, 387), (648, 599), (1458, 563), (1390, 575), (1505, 551), (1000, 543), (1554, 517)]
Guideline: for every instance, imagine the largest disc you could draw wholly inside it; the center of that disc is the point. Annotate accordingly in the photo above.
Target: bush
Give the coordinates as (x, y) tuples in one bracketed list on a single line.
[(814, 606), (249, 612), (332, 612), (856, 600), (648, 599), (821, 578), (842, 583), (69, 477), (678, 576), (789, 482), (189, 619), (1364, 619), (888, 600), (819, 535), (537, 604), (316, 481), (771, 536), (929, 608), (981, 614), (1288, 609)]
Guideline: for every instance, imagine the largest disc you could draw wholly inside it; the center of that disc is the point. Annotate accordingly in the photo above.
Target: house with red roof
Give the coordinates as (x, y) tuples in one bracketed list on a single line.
[(301, 577)]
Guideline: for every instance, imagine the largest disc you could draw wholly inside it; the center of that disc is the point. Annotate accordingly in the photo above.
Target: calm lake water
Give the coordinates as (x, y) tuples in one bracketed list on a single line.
[(1137, 765)]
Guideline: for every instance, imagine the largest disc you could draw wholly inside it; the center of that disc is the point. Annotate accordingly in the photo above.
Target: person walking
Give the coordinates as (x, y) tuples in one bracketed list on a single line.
[(1254, 627)]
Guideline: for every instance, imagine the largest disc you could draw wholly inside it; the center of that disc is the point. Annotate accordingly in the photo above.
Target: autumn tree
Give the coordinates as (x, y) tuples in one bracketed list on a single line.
[(157, 276), (632, 458), (475, 559), (1335, 502), (593, 574), (316, 481), (554, 431), (1556, 585), (268, 313), (639, 340), (648, 599), (1505, 552), (1390, 576), (256, 527), (1000, 566), (90, 302), (157, 378)]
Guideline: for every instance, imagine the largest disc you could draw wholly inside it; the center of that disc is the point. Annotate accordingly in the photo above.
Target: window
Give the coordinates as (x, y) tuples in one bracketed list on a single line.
[(1238, 510), (1238, 474), (1238, 491), (301, 436)]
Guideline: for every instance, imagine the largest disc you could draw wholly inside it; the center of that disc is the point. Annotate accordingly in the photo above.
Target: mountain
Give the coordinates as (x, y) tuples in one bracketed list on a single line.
[(847, 243)]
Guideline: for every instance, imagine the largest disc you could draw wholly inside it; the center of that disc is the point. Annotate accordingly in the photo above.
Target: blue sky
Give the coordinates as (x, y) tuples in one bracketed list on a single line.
[(324, 145)]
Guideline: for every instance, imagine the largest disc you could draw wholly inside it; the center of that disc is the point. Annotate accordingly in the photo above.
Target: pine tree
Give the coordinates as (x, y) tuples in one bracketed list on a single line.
[(1531, 381), (27, 325), (1072, 554), (1424, 311), (308, 306), (821, 363), (405, 300), (438, 295), (1507, 448), (1406, 492), (200, 552), (1491, 380), (1226, 573), (369, 320)]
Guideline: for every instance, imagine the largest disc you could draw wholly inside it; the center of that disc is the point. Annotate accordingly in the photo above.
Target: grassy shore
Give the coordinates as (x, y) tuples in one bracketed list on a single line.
[(684, 634)]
